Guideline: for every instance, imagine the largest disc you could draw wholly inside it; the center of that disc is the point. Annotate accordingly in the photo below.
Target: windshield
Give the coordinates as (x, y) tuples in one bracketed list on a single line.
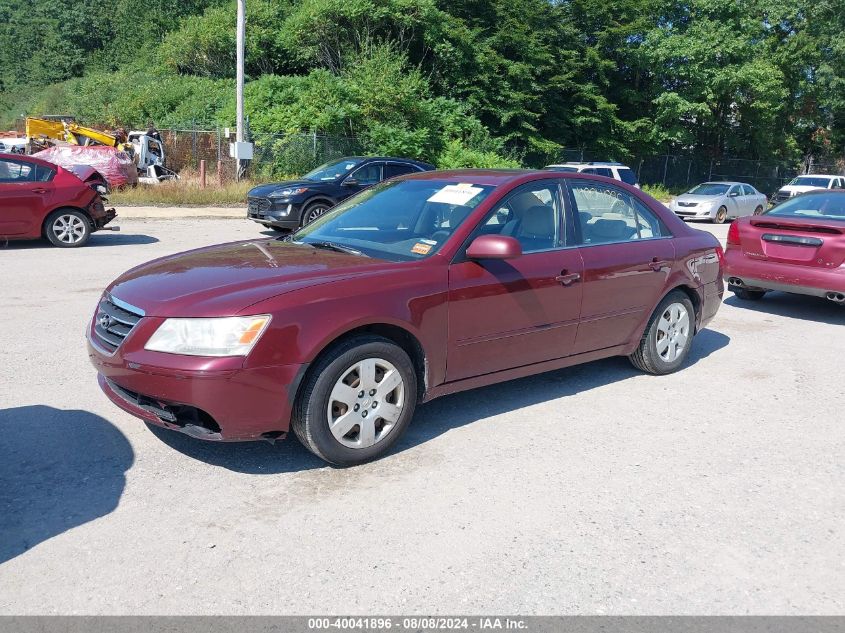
[(811, 181), (709, 189), (400, 220), (333, 170), (827, 206)]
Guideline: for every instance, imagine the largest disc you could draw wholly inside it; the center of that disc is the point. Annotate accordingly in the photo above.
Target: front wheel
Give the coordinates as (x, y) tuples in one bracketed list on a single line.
[(758, 210), (667, 339), (356, 401), (721, 216), (314, 211), (67, 228)]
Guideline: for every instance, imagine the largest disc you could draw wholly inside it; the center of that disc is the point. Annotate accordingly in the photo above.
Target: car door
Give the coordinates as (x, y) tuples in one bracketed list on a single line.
[(23, 198), (516, 312), (733, 201), (627, 253), (364, 176)]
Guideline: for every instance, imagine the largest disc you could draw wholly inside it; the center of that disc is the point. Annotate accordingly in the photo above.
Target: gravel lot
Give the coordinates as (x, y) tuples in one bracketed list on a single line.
[(589, 490)]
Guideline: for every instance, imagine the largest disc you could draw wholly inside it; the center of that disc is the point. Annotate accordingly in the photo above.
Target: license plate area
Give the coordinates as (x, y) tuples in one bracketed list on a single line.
[(794, 248)]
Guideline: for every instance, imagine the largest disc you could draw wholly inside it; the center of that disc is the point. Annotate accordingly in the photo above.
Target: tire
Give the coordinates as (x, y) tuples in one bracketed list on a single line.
[(758, 210), (721, 216), (747, 295), (68, 228), (331, 392), (652, 356), (314, 211)]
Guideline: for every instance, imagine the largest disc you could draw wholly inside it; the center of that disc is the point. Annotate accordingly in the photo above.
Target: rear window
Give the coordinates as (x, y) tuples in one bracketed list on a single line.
[(827, 206)]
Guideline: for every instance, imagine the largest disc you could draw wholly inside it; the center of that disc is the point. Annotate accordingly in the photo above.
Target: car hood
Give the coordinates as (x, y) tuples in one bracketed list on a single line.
[(226, 279), (264, 190), (691, 197), (800, 188)]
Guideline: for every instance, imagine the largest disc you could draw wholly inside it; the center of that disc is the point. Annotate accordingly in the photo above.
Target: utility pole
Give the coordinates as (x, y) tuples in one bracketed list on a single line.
[(240, 150)]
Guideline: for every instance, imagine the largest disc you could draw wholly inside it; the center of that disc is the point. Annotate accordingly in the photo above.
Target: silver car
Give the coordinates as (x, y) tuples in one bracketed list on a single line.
[(719, 201)]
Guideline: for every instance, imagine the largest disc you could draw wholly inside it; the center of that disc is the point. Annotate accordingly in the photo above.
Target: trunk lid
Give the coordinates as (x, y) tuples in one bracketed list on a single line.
[(802, 241)]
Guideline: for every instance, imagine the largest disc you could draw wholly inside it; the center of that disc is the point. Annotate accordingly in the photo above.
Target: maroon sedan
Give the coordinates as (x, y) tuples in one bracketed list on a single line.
[(419, 287), (40, 199), (798, 247)]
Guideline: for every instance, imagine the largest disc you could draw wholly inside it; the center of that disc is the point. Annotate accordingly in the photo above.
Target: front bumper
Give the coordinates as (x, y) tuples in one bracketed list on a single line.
[(692, 212), (767, 275), (279, 212), (213, 399)]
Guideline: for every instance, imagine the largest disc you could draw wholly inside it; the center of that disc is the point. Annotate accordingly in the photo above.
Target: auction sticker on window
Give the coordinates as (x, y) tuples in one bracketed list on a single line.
[(421, 249), (458, 194)]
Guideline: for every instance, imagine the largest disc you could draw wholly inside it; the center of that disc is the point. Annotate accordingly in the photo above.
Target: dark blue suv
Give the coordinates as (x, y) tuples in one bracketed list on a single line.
[(286, 206)]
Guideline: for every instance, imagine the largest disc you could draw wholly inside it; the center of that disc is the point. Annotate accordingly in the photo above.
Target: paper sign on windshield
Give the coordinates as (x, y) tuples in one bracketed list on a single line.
[(458, 194)]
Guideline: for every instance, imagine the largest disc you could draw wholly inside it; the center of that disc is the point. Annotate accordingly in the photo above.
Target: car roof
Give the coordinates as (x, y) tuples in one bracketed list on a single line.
[(493, 177), (819, 176), (30, 159), (393, 158), (730, 183), (590, 164)]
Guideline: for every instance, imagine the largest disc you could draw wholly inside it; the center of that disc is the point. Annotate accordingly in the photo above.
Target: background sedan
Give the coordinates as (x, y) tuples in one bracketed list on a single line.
[(719, 201)]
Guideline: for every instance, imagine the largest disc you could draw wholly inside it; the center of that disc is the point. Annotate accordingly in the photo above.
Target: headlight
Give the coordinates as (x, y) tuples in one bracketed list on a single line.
[(226, 336), (285, 193)]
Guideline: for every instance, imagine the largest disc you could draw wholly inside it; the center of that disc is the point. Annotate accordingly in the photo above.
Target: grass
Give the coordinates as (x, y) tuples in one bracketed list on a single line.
[(184, 192), (659, 192)]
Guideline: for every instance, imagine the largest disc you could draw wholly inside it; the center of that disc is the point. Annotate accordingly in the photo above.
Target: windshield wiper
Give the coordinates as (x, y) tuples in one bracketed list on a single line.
[(340, 248)]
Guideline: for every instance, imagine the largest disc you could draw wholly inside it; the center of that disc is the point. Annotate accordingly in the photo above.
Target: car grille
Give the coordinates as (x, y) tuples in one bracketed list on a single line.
[(113, 322), (780, 196), (687, 204), (257, 207)]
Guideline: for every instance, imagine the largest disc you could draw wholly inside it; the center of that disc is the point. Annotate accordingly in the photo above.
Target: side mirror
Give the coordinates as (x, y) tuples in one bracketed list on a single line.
[(494, 247), (350, 182)]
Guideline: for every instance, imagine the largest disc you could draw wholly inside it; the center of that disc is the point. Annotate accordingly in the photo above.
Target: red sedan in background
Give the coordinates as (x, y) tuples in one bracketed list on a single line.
[(419, 287), (39, 199), (798, 247)]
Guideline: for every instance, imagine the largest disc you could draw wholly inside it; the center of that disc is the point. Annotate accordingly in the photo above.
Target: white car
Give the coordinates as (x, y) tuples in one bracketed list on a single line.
[(12, 145), (617, 171), (719, 201), (810, 182)]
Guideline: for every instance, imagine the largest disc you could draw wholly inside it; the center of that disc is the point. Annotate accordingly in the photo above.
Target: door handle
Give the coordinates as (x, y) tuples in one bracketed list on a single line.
[(658, 264), (567, 278), (39, 190)]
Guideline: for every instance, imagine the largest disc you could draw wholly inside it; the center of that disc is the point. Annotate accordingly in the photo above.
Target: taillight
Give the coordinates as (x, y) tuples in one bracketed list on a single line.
[(733, 234)]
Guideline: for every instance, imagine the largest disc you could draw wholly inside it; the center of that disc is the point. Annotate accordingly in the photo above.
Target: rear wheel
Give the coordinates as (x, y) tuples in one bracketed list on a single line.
[(668, 336), (68, 228), (748, 295), (721, 216), (356, 401), (758, 210)]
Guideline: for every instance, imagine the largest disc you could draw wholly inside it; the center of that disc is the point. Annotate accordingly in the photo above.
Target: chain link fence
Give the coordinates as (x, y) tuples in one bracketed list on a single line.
[(275, 155), (678, 172)]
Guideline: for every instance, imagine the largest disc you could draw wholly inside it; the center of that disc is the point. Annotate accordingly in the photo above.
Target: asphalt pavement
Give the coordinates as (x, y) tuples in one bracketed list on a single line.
[(590, 490)]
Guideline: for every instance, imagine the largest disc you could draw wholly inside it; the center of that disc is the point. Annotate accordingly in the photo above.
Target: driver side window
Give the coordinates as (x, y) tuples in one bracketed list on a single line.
[(14, 171), (531, 215)]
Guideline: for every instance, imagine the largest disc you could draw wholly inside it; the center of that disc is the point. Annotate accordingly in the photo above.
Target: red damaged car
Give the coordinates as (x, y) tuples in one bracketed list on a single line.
[(39, 199), (797, 247), (419, 287)]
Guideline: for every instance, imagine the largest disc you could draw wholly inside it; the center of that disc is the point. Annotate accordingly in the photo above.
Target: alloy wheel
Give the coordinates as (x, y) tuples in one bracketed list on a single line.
[(69, 228), (366, 403), (673, 329), (315, 213)]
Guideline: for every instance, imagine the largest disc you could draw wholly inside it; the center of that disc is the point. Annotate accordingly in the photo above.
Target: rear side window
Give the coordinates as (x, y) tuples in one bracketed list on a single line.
[(44, 174), (604, 171), (607, 215), (397, 169), (15, 171), (628, 176)]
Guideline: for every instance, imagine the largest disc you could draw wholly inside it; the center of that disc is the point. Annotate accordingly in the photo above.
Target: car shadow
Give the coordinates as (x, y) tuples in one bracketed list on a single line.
[(793, 306), (97, 240), (59, 469), (434, 418)]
